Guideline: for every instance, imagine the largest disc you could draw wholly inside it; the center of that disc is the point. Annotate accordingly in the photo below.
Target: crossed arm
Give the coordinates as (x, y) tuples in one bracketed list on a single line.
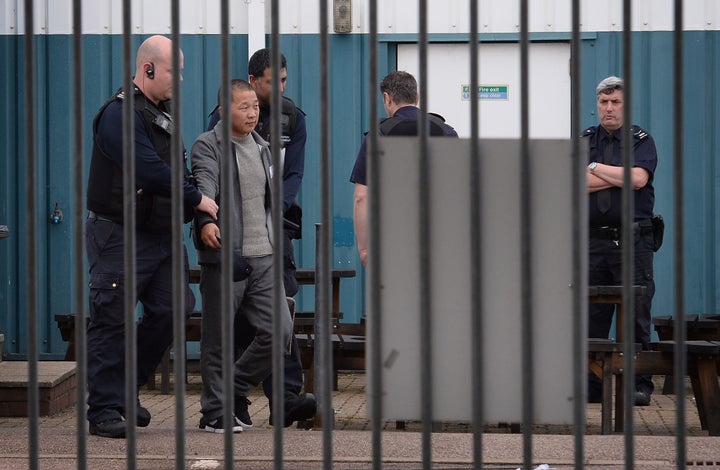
[(609, 176)]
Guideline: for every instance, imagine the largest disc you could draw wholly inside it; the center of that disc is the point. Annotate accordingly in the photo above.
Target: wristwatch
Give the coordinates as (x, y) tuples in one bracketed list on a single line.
[(591, 166)]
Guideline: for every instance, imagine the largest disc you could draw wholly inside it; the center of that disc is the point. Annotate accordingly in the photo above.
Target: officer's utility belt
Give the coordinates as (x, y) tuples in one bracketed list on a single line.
[(641, 227), (96, 216)]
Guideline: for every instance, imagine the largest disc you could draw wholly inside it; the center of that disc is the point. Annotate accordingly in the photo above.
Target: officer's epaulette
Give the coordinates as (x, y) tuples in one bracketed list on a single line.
[(120, 94), (639, 133), (589, 131)]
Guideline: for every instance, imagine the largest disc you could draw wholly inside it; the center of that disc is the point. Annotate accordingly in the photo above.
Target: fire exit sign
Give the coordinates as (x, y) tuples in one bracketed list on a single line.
[(487, 92)]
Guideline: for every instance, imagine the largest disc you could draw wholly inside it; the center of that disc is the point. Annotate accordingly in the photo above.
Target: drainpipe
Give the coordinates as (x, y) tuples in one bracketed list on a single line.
[(256, 25)]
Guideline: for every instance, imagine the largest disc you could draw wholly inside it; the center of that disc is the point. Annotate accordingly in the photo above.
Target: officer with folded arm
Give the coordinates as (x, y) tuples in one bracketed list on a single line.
[(605, 174)]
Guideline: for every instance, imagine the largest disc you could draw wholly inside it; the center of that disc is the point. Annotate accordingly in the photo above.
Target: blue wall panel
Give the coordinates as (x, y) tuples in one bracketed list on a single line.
[(9, 174), (601, 56)]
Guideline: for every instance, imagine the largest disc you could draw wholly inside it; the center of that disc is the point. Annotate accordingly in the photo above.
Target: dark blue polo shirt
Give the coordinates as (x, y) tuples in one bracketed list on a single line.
[(644, 156), (359, 173)]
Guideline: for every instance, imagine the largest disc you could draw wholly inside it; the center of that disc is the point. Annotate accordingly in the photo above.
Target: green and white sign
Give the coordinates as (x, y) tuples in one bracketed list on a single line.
[(487, 92)]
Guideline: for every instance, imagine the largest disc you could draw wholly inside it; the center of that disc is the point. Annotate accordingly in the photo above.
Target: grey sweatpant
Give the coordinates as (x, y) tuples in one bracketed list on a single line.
[(251, 298)]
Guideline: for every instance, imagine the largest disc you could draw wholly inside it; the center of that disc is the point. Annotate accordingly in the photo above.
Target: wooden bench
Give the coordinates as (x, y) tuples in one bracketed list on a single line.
[(193, 327), (697, 327), (348, 346), (66, 325), (606, 359)]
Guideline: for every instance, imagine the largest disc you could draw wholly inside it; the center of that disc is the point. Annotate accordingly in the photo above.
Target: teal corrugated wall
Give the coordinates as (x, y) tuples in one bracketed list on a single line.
[(601, 56)]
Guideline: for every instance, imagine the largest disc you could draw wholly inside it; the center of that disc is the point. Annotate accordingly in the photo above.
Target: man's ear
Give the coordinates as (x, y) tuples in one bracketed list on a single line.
[(386, 98), (252, 80)]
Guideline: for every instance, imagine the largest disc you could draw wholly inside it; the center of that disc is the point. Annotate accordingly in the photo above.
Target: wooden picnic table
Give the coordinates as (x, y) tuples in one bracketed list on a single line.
[(304, 276), (613, 295)]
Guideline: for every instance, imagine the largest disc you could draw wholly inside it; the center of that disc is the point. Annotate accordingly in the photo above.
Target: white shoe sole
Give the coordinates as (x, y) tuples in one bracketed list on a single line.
[(235, 429)]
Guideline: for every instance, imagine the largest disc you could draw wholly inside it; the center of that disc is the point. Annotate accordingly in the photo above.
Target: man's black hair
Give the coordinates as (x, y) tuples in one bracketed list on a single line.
[(261, 60), (236, 84)]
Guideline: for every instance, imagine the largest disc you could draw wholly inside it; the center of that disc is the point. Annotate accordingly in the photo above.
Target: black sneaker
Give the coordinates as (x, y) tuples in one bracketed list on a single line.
[(217, 426), (642, 398), (298, 408), (241, 412), (114, 428), (143, 416)]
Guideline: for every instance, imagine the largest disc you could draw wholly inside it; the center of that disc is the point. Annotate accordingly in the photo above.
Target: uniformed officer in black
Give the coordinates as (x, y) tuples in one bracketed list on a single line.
[(153, 129), (604, 182)]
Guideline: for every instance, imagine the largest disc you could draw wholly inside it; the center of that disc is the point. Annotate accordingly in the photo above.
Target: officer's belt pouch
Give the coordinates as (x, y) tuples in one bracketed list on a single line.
[(154, 213), (658, 230)]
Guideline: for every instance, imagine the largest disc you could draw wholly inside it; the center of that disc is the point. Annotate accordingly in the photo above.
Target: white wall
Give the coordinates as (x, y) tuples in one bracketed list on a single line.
[(394, 16)]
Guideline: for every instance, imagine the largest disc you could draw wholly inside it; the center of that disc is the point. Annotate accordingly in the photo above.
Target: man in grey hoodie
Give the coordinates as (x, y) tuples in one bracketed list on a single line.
[(251, 241)]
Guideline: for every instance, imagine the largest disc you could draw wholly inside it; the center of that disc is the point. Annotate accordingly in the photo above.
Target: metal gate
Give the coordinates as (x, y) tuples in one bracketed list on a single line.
[(476, 227)]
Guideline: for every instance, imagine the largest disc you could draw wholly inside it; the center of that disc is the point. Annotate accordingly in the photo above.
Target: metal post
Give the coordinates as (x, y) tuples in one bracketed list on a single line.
[(526, 241), (129, 224), (324, 247), (79, 241)]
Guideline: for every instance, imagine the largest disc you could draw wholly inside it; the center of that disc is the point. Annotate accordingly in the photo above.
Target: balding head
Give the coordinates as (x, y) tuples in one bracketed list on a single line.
[(153, 49), (153, 68)]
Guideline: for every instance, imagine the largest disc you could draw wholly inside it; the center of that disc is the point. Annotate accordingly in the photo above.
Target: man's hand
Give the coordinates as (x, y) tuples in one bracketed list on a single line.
[(210, 235), (208, 205)]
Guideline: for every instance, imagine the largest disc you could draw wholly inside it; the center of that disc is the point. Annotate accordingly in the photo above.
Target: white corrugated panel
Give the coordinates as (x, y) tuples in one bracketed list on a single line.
[(8, 17), (105, 16), (394, 16)]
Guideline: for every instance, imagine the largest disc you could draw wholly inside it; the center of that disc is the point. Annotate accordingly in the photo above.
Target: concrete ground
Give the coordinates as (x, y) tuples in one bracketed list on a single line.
[(654, 443)]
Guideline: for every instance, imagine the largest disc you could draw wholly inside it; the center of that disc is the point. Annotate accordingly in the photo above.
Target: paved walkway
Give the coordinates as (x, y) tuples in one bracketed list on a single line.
[(654, 442)]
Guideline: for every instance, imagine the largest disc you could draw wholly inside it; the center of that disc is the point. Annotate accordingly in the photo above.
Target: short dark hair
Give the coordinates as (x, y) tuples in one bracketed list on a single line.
[(401, 86), (236, 84), (261, 60)]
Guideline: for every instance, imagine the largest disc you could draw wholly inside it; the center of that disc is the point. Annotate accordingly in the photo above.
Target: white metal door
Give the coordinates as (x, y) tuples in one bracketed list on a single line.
[(449, 79)]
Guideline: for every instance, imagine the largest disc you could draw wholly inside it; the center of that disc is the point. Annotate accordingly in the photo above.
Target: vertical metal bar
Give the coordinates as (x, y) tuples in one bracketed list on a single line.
[(374, 252), (179, 281), (628, 300), (680, 333), (325, 249), (580, 234), (476, 253), (526, 222), (79, 241), (33, 393), (226, 229), (129, 224), (277, 195), (424, 192)]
